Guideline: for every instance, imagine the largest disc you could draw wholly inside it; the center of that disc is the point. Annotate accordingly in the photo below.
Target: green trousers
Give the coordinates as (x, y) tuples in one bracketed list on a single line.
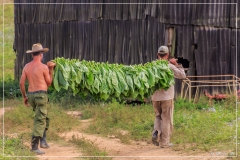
[(41, 121)]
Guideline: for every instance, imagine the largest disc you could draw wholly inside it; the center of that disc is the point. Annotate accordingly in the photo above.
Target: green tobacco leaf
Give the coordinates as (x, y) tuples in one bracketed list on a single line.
[(104, 96), (55, 79), (117, 81), (130, 82), (151, 78), (122, 82), (96, 84), (90, 77), (137, 82), (79, 77), (61, 80)]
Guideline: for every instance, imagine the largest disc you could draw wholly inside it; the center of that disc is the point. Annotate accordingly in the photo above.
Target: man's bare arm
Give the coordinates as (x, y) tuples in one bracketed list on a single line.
[(48, 73), (22, 87)]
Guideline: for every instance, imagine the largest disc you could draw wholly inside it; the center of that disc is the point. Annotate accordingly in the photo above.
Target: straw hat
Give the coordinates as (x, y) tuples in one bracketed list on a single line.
[(37, 48)]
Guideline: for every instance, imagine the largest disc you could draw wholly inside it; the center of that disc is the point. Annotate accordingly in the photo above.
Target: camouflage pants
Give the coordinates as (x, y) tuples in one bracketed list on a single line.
[(41, 121)]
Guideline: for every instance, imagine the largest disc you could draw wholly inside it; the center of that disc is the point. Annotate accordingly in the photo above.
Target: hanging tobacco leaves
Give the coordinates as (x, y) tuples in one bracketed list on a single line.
[(106, 80)]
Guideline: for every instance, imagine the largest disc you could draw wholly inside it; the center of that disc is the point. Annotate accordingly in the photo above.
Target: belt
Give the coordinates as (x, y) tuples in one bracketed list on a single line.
[(40, 91)]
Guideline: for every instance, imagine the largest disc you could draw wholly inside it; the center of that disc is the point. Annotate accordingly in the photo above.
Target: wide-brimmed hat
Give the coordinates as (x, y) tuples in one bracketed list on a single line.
[(163, 50), (37, 48)]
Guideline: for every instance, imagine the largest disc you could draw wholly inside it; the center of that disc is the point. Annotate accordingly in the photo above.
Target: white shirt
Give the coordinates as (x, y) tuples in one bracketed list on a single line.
[(161, 95)]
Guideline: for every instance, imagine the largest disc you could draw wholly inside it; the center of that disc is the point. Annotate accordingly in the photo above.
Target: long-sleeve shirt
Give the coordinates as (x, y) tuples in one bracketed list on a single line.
[(161, 95)]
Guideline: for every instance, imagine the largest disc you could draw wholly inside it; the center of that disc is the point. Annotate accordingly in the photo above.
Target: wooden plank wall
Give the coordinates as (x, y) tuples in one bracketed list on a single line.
[(120, 32)]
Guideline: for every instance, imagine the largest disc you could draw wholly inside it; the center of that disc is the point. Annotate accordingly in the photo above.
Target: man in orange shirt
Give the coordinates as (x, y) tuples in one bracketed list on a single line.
[(39, 77)]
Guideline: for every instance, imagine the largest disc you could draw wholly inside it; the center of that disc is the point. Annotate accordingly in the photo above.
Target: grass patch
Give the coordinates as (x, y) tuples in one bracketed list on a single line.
[(11, 88), (115, 118), (89, 149), (20, 120), (14, 147), (87, 113), (205, 128), (196, 126), (8, 28)]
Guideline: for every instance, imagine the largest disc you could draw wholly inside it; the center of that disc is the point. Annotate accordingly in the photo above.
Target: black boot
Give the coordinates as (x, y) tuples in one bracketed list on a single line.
[(35, 142), (154, 138), (43, 142)]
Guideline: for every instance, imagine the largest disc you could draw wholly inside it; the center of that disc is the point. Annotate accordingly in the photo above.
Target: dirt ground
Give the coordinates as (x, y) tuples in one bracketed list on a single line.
[(114, 148)]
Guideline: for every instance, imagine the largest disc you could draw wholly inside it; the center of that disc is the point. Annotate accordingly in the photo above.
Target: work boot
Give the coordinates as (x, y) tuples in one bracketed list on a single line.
[(154, 138), (43, 142), (35, 142), (167, 146)]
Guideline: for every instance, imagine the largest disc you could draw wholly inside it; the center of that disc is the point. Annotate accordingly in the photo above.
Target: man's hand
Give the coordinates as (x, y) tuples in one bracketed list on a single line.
[(51, 64), (26, 101), (173, 61)]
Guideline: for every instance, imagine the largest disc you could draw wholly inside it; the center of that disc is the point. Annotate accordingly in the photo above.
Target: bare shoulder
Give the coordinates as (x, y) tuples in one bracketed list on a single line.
[(27, 66), (44, 66)]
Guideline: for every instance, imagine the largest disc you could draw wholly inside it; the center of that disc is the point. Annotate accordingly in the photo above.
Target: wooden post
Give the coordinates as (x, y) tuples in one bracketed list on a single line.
[(190, 91)]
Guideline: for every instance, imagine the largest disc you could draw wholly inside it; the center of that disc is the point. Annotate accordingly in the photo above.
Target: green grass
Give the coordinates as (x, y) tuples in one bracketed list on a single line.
[(195, 127), (89, 149), (204, 127), (19, 121), (7, 18), (114, 118), (13, 147), (20, 118)]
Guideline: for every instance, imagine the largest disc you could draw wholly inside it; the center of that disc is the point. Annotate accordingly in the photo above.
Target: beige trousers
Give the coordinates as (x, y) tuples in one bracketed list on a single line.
[(163, 120)]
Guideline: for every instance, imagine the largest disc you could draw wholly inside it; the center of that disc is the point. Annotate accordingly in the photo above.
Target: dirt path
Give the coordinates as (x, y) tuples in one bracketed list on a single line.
[(4, 110), (119, 151), (140, 150), (114, 148), (135, 151), (64, 150), (57, 151)]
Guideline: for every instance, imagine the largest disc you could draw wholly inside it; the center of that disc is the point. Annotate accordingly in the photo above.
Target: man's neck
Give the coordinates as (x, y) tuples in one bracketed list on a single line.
[(163, 58), (37, 59)]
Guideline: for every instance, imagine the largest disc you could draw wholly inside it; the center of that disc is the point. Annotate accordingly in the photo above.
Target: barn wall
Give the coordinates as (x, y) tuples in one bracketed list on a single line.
[(127, 42), (218, 13), (131, 33)]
